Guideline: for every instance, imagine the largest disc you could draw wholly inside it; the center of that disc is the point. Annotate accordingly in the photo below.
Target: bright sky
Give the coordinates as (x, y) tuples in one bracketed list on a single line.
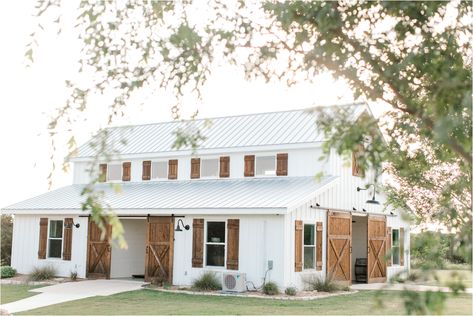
[(30, 95)]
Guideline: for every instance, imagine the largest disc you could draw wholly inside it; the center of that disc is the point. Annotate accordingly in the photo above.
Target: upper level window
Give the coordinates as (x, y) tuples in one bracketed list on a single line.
[(55, 239), (215, 244), (114, 172), (309, 246), (395, 249), (265, 165), (159, 170), (209, 168)]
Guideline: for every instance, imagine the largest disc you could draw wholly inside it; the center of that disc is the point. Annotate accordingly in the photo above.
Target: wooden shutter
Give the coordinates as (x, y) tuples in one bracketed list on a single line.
[(233, 233), (67, 243), (146, 170), (281, 168), (43, 238), (401, 246), (318, 237), (195, 168), (249, 165), (224, 167), (126, 174), (356, 169), (102, 172), (389, 238), (197, 242), (172, 172), (298, 246)]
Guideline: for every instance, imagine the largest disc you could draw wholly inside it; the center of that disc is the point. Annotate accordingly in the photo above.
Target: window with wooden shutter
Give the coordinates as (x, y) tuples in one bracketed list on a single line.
[(172, 174), (197, 242), (249, 165), (195, 168), (126, 174), (401, 246), (356, 169), (146, 170), (233, 232), (388, 246), (102, 172), (281, 168), (224, 167), (318, 239), (67, 246), (43, 238), (298, 246)]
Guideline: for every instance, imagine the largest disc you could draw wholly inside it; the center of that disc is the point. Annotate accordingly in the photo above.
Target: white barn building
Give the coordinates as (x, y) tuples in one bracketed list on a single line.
[(248, 195)]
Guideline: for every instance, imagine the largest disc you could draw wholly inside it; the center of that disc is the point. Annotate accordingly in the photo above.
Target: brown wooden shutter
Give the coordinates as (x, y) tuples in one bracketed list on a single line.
[(224, 167), (401, 246), (389, 239), (126, 174), (102, 172), (249, 165), (172, 170), (67, 244), (43, 238), (198, 243), (195, 168), (233, 233), (318, 237), (281, 168), (356, 169), (146, 170), (298, 246)]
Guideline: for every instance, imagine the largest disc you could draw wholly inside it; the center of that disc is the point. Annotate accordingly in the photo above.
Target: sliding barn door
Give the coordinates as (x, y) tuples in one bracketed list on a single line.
[(377, 241), (159, 249), (339, 246), (99, 252)]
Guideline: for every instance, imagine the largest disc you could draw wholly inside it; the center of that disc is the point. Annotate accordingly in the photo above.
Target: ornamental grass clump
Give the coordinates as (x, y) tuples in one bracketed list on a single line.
[(291, 291), (324, 285), (42, 273), (270, 288), (208, 281)]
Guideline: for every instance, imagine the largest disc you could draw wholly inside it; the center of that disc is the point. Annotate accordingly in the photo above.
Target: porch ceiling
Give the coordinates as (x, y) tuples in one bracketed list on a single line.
[(141, 197)]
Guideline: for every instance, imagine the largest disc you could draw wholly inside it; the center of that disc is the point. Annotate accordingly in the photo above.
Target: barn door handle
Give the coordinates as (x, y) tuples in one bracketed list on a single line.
[(368, 249), (147, 249), (351, 248), (109, 248)]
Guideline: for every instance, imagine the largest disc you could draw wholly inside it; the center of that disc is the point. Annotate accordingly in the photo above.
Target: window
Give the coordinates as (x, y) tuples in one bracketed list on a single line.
[(266, 166), (159, 170), (309, 246), (215, 244), (395, 249), (55, 239), (114, 172), (209, 168)]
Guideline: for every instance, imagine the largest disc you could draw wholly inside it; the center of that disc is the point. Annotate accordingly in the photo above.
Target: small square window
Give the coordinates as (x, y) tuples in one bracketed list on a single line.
[(159, 170), (209, 168), (266, 166), (114, 172)]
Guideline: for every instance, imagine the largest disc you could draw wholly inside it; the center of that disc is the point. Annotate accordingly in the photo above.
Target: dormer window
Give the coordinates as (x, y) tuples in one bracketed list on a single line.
[(265, 166), (159, 170), (114, 172), (209, 168)]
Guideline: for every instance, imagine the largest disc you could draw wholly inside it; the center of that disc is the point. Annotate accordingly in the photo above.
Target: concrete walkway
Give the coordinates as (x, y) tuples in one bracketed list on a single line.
[(70, 291), (400, 287)]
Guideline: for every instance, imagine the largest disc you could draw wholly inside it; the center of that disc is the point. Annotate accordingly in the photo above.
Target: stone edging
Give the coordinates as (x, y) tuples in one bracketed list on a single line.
[(246, 295)]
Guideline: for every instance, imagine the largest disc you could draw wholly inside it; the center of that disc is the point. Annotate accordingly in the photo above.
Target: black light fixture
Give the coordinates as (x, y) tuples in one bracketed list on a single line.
[(353, 208), (77, 225), (178, 228), (317, 204), (365, 210), (373, 199)]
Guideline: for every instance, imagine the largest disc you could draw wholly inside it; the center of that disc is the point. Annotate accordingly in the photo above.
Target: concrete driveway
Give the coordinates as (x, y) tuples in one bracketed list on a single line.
[(70, 291)]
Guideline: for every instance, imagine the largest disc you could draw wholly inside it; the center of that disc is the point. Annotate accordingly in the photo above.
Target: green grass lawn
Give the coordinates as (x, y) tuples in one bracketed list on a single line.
[(444, 276), (14, 292), (145, 302)]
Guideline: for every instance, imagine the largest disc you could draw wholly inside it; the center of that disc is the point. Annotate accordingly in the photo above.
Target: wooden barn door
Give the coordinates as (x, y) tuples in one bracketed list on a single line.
[(376, 248), (339, 246), (99, 252), (159, 249)]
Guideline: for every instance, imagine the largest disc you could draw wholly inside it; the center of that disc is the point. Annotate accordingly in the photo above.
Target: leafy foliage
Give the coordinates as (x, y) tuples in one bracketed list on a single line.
[(208, 281), (7, 272), (43, 273), (270, 288), (6, 239)]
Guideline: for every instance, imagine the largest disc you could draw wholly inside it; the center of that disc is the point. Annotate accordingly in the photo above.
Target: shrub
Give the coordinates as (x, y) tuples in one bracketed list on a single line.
[(270, 288), (208, 281), (291, 291), (7, 272), (74, 275), (324, 285), (42, 273)]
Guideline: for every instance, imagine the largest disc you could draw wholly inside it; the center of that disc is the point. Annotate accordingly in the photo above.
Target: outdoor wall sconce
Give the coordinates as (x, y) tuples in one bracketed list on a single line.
[(373, 199), (71, 224), (178, 228)]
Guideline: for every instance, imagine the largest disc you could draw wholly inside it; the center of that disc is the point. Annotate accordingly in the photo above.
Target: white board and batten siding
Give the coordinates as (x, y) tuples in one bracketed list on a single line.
[(26, 240)]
